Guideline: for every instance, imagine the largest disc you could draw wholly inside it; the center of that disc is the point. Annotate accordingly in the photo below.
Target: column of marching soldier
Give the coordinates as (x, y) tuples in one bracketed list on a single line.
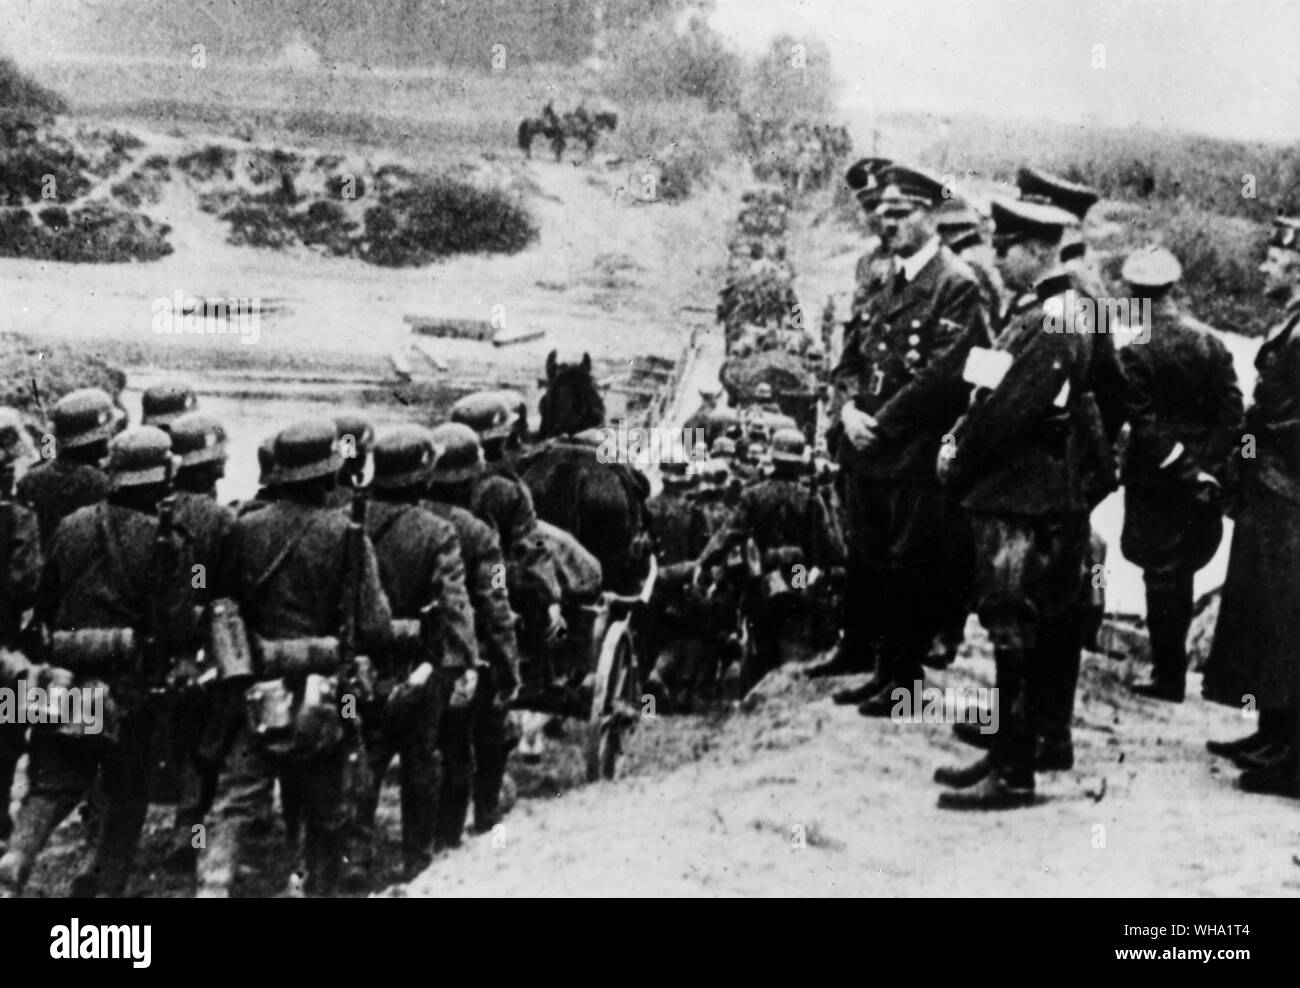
[(972, 439), (382, 625)]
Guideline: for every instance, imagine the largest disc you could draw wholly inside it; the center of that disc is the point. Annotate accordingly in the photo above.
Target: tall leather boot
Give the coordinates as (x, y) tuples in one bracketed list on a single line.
[(1006, 774), (1054, 684), (1169, 616), (454, 743)]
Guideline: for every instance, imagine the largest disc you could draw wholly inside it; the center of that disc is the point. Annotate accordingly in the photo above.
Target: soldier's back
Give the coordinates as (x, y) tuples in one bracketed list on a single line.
[(409, 541), (54, 489), (99, 569), (289, 560)]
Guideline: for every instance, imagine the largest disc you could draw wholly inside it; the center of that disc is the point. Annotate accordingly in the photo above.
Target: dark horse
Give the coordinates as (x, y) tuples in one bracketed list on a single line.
[(579, 124), (599, 503)]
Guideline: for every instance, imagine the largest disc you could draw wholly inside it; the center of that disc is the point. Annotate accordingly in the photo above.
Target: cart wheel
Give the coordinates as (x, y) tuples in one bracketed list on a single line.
[(613, 702)]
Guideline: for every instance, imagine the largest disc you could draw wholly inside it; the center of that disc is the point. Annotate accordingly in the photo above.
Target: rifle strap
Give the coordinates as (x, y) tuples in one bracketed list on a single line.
[(385, 526), (265, 576)]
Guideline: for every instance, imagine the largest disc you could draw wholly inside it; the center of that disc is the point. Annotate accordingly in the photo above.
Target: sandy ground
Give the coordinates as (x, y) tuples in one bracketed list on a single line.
[(1146, 812)]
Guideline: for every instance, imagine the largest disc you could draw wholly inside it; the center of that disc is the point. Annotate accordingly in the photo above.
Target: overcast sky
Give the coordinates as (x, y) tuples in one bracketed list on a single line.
[(1225, 68)]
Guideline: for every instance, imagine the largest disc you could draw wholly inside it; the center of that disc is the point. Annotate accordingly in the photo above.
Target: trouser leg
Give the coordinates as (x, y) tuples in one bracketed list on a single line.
[(59, 772), (421, 779), (492, 746), (243, 797), (456, 747), (126, 785), (12, 738), (1169, 617), (325, 818)]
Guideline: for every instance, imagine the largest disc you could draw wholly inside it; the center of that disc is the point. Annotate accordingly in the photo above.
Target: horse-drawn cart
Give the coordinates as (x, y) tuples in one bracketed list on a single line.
[(594, 672)]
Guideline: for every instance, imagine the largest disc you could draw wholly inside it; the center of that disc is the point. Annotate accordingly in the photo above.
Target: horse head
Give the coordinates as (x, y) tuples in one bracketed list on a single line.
[(572, 400)]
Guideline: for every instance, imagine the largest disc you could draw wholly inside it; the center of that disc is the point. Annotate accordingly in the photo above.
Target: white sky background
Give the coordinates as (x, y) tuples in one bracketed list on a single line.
[(1230, 69)]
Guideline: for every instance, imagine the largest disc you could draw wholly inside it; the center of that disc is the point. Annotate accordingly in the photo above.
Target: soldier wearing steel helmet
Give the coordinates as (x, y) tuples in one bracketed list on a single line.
[(790, 527), (475, 738), (1184, 412), (499, 497), (20, 569), (423, 574), (199, 444), (303, 579), (84, 421), (111, 578), (163, 403)]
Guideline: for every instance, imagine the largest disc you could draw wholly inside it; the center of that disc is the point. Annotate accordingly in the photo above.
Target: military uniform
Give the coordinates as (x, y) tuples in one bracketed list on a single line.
[(84, 421), (420, 566), (1019, 456), (1256, 650), (678, 531), (476, 738), (104, 571), (20, 569), (474, 744), (1184, 409), (908, 543), (791, 527), (199, 716), (285, 566)]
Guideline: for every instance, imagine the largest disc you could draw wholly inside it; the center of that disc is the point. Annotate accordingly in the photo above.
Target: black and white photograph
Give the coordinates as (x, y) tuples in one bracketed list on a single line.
[(651, 449)]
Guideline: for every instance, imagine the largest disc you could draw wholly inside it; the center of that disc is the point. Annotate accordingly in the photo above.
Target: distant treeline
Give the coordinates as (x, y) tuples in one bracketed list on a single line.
[(402, 33)]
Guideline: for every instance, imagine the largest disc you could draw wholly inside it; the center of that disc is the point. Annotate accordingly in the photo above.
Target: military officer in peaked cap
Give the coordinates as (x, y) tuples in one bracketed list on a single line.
[(1012, 459), (1184, 412), (898, 389)]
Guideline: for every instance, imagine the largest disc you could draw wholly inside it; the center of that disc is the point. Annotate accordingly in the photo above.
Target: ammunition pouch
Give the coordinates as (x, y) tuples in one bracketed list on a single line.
[(99, 650), (295, 721)]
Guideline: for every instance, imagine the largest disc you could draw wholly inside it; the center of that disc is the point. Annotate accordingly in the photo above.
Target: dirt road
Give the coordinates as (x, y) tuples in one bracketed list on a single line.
[(1146, 812)]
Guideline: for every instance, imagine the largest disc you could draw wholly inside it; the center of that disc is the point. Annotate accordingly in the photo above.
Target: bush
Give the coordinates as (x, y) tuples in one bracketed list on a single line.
[(97, 233), (24, 103), (443, 216)]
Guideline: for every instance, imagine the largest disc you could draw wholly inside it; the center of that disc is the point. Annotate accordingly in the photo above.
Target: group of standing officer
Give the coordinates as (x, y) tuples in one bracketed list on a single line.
[(363, 605), (978, 410)]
